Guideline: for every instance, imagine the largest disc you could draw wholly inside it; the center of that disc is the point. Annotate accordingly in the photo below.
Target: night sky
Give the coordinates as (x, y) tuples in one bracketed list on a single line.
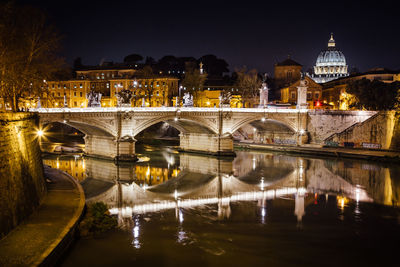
[(246, 34)]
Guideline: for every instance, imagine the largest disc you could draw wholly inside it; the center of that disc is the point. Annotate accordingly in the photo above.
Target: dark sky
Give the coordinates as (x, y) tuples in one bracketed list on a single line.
[(244, 34)]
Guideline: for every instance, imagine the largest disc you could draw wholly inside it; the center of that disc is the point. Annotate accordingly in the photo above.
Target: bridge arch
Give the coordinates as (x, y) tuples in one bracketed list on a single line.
[(87, 126), (263, 121), (184, 124)]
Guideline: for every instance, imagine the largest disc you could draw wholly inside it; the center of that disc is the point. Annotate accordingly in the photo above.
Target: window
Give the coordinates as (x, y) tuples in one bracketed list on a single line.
[(293, 95), (309, 95), (75, 104), (74, 93), (80, 86), (289, 75), (52, 86), (80, 94), (75, 86), (58, 94), (317, 95), (65, 86)]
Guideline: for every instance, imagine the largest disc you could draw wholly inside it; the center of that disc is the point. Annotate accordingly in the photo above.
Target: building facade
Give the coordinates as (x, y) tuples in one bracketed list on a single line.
[(314, 93), (334, 93), (286, 72), (147, 90)]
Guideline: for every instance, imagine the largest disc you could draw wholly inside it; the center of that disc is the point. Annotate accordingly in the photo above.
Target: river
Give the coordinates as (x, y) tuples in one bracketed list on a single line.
[(256, 209)]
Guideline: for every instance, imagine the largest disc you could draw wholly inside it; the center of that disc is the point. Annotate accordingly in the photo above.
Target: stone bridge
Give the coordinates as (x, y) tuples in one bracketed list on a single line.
[(110, 132)]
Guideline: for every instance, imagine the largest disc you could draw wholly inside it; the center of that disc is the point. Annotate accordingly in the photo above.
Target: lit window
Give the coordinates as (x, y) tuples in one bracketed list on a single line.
[(80, 86)]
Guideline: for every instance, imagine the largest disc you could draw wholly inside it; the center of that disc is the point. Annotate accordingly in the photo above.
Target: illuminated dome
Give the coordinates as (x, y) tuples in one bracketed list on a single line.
[(331, 64)]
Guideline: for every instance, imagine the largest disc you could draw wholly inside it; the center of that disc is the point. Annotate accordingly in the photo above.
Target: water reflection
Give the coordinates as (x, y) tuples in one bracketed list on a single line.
[(179, 181)]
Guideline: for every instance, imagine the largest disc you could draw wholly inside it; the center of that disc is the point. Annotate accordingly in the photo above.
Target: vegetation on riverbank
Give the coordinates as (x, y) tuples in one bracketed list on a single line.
[(97, 220)]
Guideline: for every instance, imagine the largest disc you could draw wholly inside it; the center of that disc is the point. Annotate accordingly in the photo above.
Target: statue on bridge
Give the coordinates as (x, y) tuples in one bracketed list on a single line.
[(302, 93), (225, 99), (264, 93), (187, 100), (94, 99), (124, 98), (38, 105)]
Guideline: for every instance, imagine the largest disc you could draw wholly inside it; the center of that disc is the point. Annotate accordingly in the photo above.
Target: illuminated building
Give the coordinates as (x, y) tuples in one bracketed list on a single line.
[(314, 93), (156, 90), (335, 93), (330, 64)]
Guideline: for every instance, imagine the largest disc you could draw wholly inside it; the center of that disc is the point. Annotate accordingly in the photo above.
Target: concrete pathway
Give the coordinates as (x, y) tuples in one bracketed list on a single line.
[(368, 154), (47, 232)]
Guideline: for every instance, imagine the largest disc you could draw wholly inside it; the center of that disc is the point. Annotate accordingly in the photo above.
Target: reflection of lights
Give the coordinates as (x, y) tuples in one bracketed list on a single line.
[(58, 163), (262, 119), (148, 171), (175, 119), (83, 164), (263, 213), (190, 203), (357, 194), (254, 129), (302, 131), (180, 216), (262, 183), (135, 231), (342, 201), (176, 194)]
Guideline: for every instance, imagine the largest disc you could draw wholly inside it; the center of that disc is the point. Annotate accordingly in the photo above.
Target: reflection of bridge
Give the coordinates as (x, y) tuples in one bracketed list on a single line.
[(110, 132), (200, 185)]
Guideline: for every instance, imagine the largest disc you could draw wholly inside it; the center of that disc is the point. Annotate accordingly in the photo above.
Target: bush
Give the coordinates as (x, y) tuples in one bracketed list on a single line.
[(97, 220)]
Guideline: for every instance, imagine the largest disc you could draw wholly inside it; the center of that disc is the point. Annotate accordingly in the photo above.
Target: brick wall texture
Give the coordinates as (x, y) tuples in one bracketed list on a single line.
[(22, 184)]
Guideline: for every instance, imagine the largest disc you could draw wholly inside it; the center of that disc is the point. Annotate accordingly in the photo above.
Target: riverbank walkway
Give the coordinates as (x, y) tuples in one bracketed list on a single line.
[(340, 152), (42, 238)]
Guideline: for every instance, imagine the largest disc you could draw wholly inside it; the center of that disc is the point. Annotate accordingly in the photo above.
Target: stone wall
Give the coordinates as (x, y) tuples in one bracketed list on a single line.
[(22, 184), (375, 132), (323, 123)]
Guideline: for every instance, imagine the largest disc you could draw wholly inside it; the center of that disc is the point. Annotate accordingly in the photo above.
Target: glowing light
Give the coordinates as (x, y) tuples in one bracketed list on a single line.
[(180, 216), (254, 129), (176, 194), (302, 131), (262, 119), (40, 133), (175, 119), (208, 103)]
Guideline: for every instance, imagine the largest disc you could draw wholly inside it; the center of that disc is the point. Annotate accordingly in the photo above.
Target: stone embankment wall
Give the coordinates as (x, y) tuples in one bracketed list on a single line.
[(375, 132), (322, 123), (22, 184)]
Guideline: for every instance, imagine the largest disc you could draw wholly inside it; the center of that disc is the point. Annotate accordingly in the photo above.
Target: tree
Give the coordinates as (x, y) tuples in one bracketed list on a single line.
[(373, 95), (148, 75), (194, 81), (215, 67), (132, 58), (28, 58), (249, 83)]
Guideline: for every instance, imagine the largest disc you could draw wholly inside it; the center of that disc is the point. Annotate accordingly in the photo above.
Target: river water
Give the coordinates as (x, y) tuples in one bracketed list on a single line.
[(258, 209)]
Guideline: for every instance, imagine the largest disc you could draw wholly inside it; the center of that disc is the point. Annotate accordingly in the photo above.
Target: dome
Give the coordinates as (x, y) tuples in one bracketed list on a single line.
[(331, 58), (331, 64)]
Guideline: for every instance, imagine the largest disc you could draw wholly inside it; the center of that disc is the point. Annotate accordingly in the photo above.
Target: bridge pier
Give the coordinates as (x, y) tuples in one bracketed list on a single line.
[(109, 147), (211, 144)]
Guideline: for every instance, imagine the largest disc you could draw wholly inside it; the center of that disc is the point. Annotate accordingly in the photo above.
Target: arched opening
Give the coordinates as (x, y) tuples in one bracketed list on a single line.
[(168, 132), (69, 136), (60, 137), (266, 131)]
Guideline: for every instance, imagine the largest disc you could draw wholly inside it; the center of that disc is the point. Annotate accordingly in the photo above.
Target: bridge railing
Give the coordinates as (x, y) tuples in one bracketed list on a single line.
[(166, 109)]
